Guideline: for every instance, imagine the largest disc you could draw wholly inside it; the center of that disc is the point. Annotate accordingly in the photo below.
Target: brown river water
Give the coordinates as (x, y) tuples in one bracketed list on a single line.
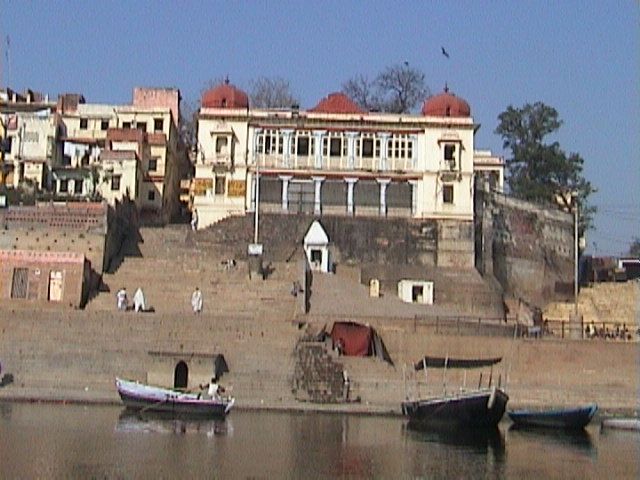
[(75, 441)]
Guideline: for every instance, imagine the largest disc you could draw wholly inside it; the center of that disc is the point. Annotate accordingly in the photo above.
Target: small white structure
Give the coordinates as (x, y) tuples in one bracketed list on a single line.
[(316, 247), (374, 288), (416, 291)]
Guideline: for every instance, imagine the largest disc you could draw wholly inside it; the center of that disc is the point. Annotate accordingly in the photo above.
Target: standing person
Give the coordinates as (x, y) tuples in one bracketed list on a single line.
[(194, 220), (196, 300), (121, 297), (139, 303)]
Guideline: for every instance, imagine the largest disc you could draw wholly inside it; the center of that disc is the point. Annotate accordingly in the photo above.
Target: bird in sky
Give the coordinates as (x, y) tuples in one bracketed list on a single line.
[(444, 52)]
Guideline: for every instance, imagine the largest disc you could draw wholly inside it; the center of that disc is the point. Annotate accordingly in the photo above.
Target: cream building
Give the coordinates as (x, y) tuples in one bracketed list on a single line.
[(154, 112), (338, 159), (28, 132)]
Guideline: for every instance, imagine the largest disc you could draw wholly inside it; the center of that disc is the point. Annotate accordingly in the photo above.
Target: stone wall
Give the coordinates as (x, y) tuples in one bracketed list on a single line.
[(317, 377), (527, 247)]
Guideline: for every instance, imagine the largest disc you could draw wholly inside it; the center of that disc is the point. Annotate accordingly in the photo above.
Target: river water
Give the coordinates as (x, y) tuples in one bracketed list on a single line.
[(75, 441)]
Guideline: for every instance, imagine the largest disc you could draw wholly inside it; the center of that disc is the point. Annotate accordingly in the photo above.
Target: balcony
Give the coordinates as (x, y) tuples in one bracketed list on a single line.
[(343, 164)]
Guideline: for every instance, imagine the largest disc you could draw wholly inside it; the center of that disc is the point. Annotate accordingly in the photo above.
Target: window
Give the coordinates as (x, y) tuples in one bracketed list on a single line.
[(367, 147), (64, 186), (77, 187), (151, 195), (126, 125), (5, 145), (221, 144), (447, 194), (450, 153), (158, 124), (142, 126), (220, 185), (303, 146), (153, 165), (335, 148), (104, 124), (400, 147), (115, 183), (84, 123)]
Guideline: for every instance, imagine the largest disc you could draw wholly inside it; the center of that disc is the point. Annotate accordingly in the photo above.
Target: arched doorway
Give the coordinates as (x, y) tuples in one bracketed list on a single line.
[(181, 375)]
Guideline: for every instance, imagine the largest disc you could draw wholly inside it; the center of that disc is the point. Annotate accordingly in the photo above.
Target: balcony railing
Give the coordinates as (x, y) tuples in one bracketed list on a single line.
[(297, 162)]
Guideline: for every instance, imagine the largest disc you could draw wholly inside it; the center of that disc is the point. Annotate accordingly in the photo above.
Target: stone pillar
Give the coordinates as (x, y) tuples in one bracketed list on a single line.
[(384, 150), (350, 184), (383, 182), (351, 149), (317, 207), (286, 147), (285, 191), (318, 135)]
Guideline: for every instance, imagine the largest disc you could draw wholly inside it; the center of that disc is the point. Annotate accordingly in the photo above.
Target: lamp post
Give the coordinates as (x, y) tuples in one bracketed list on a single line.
[(575, 205)]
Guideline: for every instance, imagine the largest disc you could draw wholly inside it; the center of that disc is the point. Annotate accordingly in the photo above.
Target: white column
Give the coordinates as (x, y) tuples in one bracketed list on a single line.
[(286, 147), (384, 149), (318, 135), (351, 148), (383, 182), (255, 178), (285, 191), (414, 197), (317, 207), (350, 184), (414, 150)]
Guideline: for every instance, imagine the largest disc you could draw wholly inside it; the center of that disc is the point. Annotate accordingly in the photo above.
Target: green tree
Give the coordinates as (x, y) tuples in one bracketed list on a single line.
[(634, 248), (540, 171)]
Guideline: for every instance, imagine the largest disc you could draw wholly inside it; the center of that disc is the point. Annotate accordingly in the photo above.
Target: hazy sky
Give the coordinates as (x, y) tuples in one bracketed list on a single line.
[(581, 57)]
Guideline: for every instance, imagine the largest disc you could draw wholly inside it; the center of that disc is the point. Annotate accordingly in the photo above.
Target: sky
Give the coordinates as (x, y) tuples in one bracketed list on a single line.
[(581, 57)]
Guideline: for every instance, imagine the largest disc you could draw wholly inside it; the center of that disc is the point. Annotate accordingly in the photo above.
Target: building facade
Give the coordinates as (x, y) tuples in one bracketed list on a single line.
[(337, 159), (59, 147)]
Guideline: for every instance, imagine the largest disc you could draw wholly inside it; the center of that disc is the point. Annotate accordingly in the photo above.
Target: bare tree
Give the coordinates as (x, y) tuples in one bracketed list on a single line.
[(397, 89), (271, 93), (362, 91), (402, 88)]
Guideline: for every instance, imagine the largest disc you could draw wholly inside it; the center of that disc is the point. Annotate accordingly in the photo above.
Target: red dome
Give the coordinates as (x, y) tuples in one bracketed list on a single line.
[(337, 103), (225, 96), (446, 104)]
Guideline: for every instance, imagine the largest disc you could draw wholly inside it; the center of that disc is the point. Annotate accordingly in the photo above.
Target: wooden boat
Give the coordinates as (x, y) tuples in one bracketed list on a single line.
[(474, 408), (567, 418), (621, 423), (478, 408), (140, 397)]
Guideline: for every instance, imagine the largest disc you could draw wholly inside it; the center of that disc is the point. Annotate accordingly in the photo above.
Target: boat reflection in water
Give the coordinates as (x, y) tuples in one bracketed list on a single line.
[(576, 440), (159, 422), (477, 440)]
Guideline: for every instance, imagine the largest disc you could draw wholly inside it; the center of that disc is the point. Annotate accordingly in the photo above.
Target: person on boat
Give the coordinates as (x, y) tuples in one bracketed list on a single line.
[(196, 300), (139, 303), (121, 297)]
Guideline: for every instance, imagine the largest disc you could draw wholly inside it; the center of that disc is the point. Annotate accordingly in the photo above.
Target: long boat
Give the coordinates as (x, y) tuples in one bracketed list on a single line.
[(564, 418), (474, 408), (141, 397)]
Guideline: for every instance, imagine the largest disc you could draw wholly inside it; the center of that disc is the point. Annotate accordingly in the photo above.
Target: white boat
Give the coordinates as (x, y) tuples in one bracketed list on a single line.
[(141, 397)]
